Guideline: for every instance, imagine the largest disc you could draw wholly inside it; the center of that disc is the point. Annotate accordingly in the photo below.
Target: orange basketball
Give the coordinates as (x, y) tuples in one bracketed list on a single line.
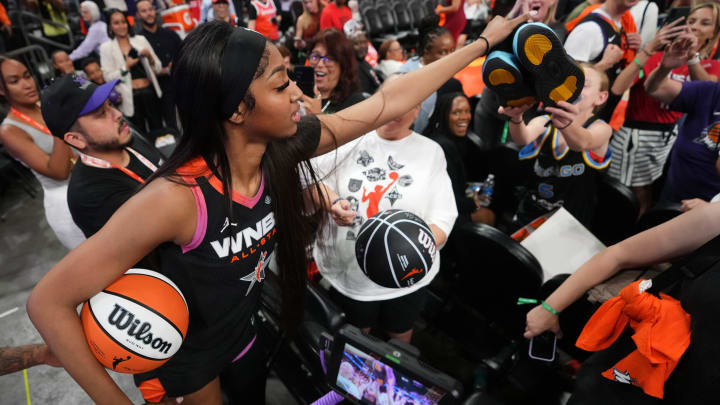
[(137, 323)]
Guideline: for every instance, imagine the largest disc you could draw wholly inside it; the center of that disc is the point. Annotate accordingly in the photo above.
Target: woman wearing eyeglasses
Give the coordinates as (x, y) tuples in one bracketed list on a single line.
[(336, 73)]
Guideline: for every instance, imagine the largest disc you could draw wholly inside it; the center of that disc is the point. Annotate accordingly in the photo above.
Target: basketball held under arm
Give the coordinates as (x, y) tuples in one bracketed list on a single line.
[(400, 95), (161, 212)]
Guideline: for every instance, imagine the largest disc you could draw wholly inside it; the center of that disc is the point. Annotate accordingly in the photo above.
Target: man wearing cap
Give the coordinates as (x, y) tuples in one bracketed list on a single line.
[(109, 171)]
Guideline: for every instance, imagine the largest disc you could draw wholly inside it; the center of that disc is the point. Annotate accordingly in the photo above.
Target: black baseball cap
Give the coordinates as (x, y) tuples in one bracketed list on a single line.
[(70, 97)]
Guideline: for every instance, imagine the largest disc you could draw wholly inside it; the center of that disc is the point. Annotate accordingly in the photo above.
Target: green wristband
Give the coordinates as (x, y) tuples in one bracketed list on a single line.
[(522, 301), (640, 66), (549, 308)]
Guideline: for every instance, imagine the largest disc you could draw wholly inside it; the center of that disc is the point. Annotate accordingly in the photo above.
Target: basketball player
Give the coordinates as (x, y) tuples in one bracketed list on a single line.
[(225, 201)]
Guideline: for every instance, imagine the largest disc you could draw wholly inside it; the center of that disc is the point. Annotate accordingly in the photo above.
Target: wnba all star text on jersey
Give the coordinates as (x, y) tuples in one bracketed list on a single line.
[(246, 238)]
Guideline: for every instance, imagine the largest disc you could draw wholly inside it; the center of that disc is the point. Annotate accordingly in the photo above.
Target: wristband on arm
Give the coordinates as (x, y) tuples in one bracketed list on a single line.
[(522, 301)]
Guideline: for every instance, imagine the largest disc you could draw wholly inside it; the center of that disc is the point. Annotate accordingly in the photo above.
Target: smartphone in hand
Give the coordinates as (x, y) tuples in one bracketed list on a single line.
[(305, 79), (542, 347)]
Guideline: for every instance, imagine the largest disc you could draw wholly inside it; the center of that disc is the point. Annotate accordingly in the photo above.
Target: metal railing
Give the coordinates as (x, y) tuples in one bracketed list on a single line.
[(31, 26), (37, 60)]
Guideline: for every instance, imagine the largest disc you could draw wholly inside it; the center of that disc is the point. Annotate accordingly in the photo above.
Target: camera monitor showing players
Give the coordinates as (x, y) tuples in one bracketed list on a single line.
[(371, 372)]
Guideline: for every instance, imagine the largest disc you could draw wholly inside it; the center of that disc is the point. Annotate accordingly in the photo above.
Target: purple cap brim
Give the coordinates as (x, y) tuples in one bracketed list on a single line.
[(98, 97)]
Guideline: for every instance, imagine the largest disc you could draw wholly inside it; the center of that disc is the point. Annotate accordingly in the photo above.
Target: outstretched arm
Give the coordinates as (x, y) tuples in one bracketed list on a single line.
[(674, 238), (627, 77), (658, 84), (520, 133), (404, 93), (578, 138)]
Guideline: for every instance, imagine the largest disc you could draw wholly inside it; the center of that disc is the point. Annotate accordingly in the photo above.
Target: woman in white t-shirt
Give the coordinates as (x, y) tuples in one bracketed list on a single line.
[(421, 186)]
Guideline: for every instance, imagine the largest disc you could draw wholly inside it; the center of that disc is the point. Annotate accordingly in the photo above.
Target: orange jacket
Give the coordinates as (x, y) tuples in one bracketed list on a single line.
[(662, 334), (4, 19), (627, 23)]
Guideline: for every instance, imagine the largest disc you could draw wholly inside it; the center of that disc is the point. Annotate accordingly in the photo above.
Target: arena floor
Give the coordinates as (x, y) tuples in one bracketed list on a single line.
[(28, 249)]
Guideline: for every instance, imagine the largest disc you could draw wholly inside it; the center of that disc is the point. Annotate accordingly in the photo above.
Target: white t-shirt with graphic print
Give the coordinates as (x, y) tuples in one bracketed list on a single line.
[(422, 186)]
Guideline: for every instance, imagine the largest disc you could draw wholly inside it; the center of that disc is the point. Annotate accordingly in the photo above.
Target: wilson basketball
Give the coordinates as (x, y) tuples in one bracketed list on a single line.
[(395, 248), (137, 323)]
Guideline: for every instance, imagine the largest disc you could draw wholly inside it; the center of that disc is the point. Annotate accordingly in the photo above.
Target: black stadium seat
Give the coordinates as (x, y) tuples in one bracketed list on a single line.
[(616, 211), (387, 16), (404, 16), (418, 11), (494, 270), (658, 214), (379, 27), (430, 6)]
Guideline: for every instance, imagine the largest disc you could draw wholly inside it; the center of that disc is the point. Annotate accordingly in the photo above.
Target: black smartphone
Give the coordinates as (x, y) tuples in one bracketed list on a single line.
[(542, 347), (133, 53), (674, 14), (305, 79)]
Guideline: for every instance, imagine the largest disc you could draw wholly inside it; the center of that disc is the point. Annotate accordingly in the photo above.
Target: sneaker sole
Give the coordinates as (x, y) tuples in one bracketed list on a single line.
[(504, 78), (556, 75)]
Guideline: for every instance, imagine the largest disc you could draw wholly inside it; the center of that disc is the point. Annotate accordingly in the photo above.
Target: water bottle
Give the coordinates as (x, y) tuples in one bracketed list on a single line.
[(472, 189), (486, 192)]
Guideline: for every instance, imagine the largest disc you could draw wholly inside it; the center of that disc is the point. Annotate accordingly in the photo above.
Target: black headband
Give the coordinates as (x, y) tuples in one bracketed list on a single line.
[(240, 61)]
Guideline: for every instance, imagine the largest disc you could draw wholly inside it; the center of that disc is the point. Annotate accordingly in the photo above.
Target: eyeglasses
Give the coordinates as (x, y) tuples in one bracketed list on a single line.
[(315, 58)]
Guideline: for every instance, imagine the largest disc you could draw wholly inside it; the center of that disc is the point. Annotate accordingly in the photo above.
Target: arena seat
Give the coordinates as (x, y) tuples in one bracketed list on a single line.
[(493, 271), (379, 24), (430, 6), (404, 17), (616, 211), (418, 11), (319, 307), (390, 21), (658, 214)]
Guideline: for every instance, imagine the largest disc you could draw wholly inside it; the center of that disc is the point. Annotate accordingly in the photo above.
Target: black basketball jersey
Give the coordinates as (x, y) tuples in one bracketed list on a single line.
[(221, 271), (562, 177), (610, 36)]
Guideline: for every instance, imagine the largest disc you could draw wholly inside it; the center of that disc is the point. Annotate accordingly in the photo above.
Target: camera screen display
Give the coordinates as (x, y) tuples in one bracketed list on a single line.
[(371, 381)]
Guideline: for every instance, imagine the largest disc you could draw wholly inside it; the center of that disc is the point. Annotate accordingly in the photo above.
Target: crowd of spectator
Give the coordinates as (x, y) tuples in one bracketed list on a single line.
[(647, 115)]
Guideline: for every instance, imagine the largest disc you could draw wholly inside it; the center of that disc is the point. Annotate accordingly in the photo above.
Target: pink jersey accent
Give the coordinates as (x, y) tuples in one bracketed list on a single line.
[(202, 219), (248, 201), (245, 350)]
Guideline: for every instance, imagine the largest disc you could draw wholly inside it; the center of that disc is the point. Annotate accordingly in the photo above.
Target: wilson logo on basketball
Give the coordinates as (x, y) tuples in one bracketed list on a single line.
[(427, 242), (123, 319)]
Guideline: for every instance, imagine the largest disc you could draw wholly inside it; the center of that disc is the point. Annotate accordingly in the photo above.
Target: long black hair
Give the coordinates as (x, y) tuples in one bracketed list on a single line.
[(197, 83), (439, 124)]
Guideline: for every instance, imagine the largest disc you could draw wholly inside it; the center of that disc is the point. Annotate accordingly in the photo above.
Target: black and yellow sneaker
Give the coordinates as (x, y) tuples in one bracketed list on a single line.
[(557, 77), (502, 74)]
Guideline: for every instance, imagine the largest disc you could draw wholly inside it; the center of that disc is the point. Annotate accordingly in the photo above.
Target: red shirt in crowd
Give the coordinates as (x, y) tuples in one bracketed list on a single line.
[(644, 108), (334, 17)]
